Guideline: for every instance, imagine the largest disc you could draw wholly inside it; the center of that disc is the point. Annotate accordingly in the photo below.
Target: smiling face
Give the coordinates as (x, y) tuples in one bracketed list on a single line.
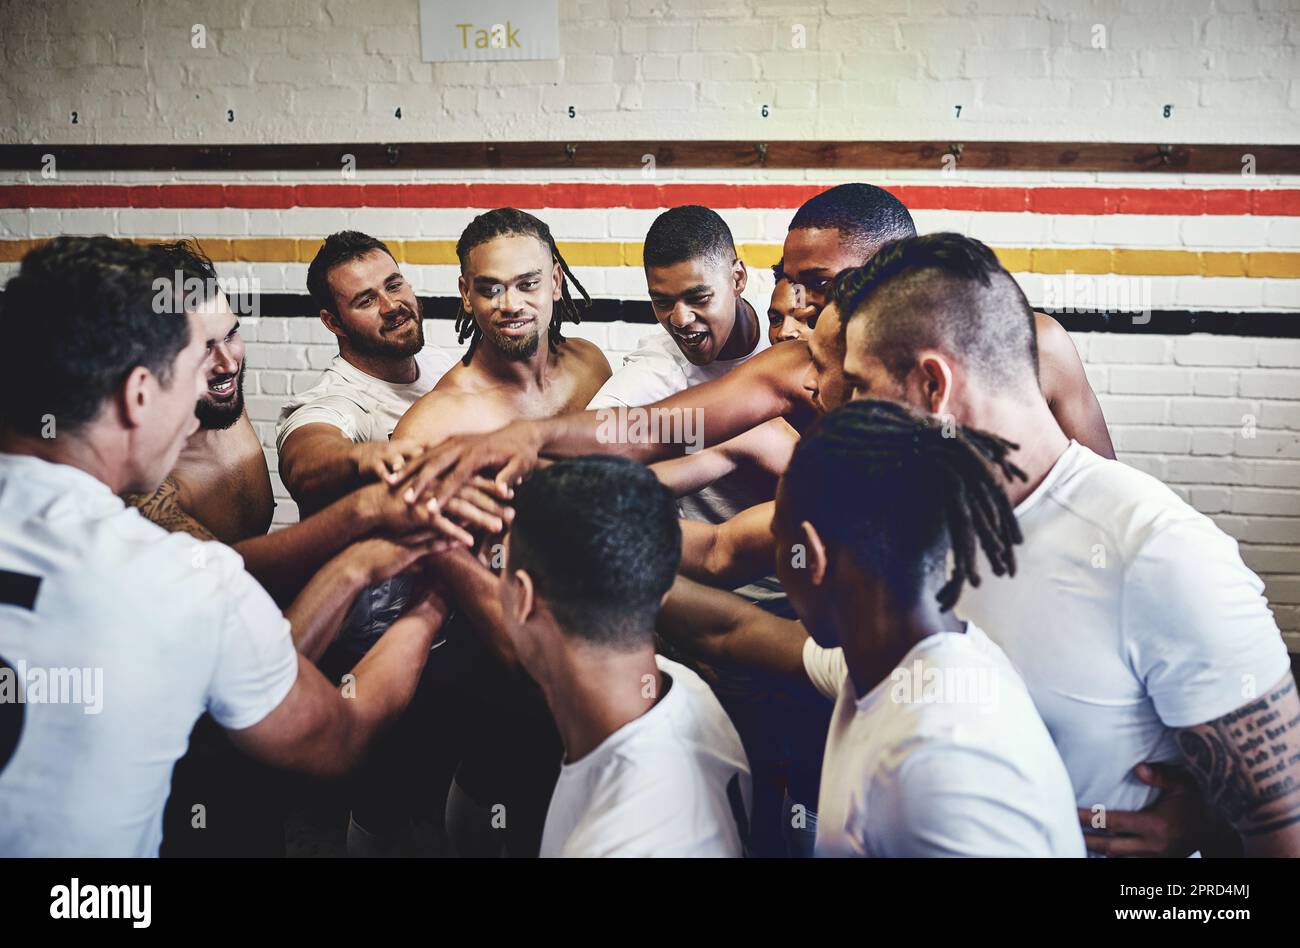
[(223, 400), (510, 284), (378, 311), (695, 301), (163, 413)]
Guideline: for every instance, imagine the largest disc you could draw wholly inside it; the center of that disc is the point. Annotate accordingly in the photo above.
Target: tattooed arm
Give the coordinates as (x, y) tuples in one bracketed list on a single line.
[(163, 507), (1248, 765)]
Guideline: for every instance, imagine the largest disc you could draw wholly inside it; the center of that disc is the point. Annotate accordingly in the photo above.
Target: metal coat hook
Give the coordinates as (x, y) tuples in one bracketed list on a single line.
[(955, 149), (394, 153), (1166, 152), (761, 148), (571, 152)]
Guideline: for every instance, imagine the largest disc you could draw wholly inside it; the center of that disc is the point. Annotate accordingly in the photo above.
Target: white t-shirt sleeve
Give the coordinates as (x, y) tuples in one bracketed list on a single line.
[(646, 376), (826, 668), (336, 410), (257, 663), (1196, 625), (951, 800)]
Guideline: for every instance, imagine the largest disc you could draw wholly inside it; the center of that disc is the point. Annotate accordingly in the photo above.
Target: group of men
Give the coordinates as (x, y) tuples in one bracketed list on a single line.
[(903, 601)]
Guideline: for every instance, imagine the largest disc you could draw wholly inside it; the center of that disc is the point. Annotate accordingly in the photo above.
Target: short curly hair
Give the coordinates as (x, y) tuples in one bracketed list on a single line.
[(80, 314)]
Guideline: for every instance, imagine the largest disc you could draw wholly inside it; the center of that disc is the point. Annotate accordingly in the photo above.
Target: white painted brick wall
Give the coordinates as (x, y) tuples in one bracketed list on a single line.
[(338, 70)]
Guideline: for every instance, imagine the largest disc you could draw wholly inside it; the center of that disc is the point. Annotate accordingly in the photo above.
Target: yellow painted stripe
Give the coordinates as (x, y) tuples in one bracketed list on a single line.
[(591, 253)]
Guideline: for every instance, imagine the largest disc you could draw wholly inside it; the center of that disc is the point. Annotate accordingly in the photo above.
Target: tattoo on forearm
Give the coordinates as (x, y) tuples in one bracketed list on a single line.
[(163, 507), (1248, 762)]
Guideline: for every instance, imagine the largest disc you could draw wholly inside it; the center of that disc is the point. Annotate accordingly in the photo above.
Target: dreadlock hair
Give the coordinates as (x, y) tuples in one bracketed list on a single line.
[(900, 489), (511, 222)]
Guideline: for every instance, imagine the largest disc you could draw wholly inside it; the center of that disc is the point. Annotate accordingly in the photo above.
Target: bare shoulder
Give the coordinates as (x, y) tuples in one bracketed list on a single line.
[(781, 365), (588, 354), (1055, 347), (439, 415)]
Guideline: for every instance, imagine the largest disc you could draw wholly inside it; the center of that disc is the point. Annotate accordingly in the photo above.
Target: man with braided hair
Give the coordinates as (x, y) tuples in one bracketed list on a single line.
[(514, 288), (934, 748), (515, 295)]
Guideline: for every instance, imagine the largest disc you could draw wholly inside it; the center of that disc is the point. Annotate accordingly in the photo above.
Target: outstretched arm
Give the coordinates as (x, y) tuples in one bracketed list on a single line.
[(473, 588), (767, 386), (321, 730), (766, 448), (729, 554), (319, 463), (723, 629)]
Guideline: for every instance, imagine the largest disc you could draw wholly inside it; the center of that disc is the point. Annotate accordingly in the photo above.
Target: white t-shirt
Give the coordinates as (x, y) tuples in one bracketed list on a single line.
[(945, 757), (159, 626), (658, 369), (1130, 615), (363, 407), (673, 782)]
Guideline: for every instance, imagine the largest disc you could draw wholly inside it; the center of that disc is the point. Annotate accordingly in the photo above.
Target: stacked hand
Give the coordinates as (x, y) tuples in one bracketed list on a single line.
[(440, 472), (395, 510), (379, 460)]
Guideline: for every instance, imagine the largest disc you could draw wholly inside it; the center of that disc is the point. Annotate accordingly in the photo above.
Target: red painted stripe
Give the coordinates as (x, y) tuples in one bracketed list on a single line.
[(651, 196)]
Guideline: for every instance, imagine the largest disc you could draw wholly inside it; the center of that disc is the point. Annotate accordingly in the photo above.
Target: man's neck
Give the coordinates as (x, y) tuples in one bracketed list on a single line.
[(1029, 423), (744, 333), (877, 635), (593, 692), (86, 453), (401, 371), (529, 375)]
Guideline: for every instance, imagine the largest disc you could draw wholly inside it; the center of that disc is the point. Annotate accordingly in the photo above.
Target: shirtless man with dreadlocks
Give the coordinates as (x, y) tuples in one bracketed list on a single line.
[(514, 288), (515, 294)]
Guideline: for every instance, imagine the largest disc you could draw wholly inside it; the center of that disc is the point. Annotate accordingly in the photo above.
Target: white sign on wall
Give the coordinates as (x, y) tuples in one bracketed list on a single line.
[(457, 31)]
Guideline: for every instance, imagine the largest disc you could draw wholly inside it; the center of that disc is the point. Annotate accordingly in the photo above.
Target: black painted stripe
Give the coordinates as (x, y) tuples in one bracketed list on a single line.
[(1165, 322), (18, 589)]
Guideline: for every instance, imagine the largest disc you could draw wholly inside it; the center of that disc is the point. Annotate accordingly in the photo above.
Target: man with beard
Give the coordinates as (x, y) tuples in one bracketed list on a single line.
[(336, 435), (512, 276), (514, 288), (220, 489)]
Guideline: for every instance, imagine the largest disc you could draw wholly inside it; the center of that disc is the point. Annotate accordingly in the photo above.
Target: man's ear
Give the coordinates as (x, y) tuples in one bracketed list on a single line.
[(935, 378), (739, 276), (331, 323), (524, 598), (817, 559), (557, 282), (463, 288), (137, 393)]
